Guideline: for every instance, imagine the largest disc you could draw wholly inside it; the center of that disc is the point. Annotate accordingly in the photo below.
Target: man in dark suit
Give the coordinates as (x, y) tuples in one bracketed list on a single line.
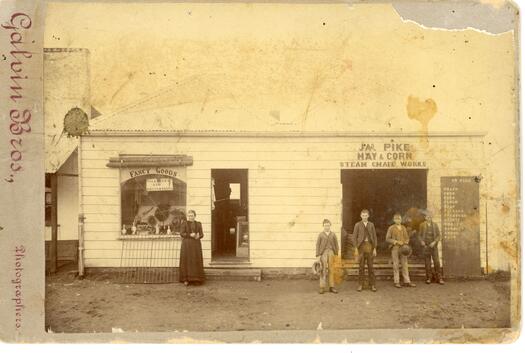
[(365, 243), (429, 236)]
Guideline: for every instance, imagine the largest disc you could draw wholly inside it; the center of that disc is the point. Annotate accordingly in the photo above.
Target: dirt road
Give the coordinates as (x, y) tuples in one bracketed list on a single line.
[(98, 305)]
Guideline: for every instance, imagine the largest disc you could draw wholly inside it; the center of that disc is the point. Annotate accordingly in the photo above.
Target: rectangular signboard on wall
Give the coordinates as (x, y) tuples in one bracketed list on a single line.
[(460, 223)]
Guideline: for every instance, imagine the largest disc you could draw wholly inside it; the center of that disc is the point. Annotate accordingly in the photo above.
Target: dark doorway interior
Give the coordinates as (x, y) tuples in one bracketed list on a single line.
[(229, 214), (383, 192)]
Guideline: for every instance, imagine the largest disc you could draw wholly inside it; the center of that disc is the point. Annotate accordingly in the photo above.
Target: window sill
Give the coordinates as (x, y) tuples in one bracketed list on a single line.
[(149, 236)]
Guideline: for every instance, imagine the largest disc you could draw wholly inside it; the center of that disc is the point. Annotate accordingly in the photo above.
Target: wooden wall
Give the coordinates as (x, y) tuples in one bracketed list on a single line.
[(294, 183)]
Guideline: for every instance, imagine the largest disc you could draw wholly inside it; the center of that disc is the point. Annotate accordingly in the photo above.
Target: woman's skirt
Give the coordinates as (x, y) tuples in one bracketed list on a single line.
[(191, 267)]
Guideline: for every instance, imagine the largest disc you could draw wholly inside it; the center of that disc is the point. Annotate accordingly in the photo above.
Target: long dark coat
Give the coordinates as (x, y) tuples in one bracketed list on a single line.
[(191, 266)]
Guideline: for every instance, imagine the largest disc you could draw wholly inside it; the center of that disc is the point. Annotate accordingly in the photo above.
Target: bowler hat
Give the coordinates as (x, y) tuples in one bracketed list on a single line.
[(405, 250), (316, 268)]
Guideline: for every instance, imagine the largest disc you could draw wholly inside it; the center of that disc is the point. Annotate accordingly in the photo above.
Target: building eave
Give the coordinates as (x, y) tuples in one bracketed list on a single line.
[(270, 134)]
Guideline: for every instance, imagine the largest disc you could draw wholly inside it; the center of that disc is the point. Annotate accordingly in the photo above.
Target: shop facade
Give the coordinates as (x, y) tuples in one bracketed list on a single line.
[(262, 196)]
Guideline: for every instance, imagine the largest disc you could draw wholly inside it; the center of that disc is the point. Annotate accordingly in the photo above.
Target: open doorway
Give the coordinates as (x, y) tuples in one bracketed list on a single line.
[(383, 192), (230, 233)]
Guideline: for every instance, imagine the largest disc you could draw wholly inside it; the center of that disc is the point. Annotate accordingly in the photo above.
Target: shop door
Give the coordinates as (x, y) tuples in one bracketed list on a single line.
[(383, 192), (461, 229), (230, 231)]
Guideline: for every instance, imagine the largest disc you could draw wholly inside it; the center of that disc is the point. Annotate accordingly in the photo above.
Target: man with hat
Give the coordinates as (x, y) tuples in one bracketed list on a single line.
[(429, 237), (397, 237), (326, 248)]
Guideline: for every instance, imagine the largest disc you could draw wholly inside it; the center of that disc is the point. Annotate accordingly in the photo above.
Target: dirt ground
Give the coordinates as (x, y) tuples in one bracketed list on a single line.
[(96, 304)]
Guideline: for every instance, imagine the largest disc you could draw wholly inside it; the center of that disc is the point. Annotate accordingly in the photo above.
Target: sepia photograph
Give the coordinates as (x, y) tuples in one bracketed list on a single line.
[(302, 171)]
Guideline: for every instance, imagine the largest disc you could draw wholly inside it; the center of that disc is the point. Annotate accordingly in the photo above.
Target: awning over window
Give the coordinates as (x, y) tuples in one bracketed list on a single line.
[(130, 161)]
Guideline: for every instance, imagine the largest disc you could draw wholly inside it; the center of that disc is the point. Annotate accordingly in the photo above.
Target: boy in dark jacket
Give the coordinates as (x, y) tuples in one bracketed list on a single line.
[(429, 236), (325, 249)]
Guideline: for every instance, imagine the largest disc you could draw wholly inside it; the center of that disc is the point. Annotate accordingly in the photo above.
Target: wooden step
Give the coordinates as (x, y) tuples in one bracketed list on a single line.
[(229, 264), (389, 266), (242, 274), (385, 273), (384, 261)]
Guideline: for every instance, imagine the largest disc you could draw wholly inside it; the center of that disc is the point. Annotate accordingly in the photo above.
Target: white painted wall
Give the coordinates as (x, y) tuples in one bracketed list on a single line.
[(293, 184)]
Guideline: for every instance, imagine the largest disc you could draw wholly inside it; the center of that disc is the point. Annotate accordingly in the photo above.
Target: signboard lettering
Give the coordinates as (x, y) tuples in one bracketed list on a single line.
[(460, 225), (387, 155)]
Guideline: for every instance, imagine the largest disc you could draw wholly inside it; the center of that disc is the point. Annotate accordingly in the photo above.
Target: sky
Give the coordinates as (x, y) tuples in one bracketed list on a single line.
[(290, 65)]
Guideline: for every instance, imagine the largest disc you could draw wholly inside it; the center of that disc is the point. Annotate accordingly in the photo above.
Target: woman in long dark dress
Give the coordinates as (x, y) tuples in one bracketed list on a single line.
[(191, 267)]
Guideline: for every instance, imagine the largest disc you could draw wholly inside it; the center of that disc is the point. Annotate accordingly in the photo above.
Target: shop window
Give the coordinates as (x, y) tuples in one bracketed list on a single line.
[(153, 204)]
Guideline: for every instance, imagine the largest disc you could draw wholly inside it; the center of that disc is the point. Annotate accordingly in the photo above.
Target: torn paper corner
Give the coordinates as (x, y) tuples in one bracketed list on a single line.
[(498, 4), (490, 17)]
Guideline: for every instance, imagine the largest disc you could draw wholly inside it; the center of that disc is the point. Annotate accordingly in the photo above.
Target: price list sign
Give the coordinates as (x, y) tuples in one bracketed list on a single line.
[(159, 184), (460, 226)]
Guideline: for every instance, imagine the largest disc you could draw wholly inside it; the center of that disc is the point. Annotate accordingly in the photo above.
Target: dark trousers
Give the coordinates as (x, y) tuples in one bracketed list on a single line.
[(365, 255), (432, 254)]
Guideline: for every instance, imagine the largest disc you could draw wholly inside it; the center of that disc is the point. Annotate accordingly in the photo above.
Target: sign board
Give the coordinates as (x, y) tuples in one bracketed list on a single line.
[(460, 226), (159, 184), (385, 155), (152, 173)]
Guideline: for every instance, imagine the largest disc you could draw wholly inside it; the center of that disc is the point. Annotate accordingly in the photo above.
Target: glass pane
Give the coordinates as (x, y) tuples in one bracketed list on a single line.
[(153, 204)]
